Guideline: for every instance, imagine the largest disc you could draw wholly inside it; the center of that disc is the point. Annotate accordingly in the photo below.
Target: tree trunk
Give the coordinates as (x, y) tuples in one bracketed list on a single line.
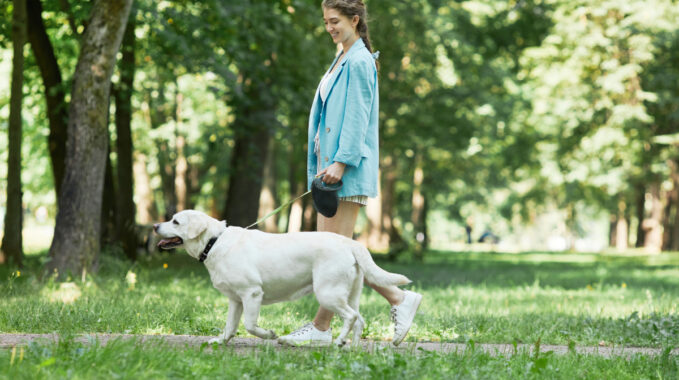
[(181, 165), (108, 205), (125, 221), (309, 216), (12, 240), (76, 242), (668, 217), (640, 209), (295, 213), (158, 115), (612, 229), (245, 181), (621, 227), (167, 179), (193, 183), (255, 118), (146, 210), (418, 214), (670, 222), (395, 241), (57, 111), (375, 236), (267, 197), (295, 216), (653, 225), (674, 238)]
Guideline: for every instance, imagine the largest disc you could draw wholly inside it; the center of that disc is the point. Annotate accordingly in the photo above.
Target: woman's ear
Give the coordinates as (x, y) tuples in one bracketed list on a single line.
[(355, 20)]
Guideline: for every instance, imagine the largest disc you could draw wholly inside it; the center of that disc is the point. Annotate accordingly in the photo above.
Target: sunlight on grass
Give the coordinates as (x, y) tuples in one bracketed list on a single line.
[(67, 293)]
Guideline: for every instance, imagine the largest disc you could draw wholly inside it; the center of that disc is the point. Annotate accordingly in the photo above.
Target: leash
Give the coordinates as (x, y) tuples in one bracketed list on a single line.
[(212, 241), (276, 211)]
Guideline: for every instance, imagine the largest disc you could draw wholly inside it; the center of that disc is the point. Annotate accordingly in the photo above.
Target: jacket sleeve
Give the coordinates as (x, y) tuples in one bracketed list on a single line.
[(361, 82)]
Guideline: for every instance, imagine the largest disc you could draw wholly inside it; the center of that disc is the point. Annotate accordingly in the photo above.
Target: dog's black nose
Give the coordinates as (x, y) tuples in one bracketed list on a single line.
[(155, 227)]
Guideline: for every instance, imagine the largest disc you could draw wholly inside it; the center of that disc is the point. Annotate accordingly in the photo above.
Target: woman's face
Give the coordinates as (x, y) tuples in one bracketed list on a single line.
[(341, 28)]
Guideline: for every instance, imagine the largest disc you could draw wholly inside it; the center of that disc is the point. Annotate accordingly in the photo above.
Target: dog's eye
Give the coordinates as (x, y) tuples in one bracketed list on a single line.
[(175, 221)]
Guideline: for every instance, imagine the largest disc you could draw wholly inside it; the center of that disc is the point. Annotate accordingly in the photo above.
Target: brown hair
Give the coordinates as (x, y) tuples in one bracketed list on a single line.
[(351, 8)]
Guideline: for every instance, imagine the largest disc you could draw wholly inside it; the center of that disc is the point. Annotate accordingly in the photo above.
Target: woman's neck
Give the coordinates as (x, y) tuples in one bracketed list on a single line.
[(346, 45)]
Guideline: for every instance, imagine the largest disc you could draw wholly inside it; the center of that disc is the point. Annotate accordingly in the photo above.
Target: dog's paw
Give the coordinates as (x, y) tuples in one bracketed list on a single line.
[(340, 342), (271, 335), (218, 340)]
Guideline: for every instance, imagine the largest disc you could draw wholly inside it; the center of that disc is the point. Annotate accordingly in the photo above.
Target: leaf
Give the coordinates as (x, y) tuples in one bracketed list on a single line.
[(48, 362)]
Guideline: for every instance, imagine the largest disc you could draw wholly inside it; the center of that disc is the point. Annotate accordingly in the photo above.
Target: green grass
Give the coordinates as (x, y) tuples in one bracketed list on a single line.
[(581, 299), (484, 297), (125, 359)]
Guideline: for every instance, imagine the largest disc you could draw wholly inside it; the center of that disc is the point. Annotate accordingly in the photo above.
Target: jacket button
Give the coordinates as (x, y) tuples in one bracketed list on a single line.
[(326, 159), (327, 130)]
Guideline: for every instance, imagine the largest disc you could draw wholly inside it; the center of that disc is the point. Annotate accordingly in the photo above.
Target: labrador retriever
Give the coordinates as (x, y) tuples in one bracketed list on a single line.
[(255, 268)]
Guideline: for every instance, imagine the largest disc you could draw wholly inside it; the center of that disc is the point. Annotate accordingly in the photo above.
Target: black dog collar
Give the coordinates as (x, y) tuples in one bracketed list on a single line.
[(209, 245)]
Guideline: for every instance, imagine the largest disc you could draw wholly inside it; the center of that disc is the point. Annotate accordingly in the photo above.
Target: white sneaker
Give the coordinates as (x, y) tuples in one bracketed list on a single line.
[(307, 335), (402, 315)]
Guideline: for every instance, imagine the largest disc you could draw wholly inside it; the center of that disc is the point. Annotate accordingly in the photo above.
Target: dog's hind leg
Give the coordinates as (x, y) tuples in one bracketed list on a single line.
[(354, 301), (232, 319), (350, 317), (252, 301), (335, 300)]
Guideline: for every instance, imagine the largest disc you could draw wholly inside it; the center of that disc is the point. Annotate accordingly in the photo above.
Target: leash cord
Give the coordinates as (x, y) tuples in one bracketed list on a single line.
[(276, 211)]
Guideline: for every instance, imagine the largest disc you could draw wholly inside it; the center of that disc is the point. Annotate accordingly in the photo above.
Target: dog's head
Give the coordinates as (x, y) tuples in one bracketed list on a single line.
[(185, 227)]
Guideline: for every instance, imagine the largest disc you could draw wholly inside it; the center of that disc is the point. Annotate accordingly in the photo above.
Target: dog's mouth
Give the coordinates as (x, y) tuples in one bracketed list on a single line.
[(170, 243)]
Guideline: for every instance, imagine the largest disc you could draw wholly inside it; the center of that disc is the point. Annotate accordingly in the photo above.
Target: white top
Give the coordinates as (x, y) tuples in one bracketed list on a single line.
[(324, 87)]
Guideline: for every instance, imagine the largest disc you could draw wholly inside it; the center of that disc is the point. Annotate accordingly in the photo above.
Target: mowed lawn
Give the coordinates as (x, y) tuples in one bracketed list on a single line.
[(581, 299)]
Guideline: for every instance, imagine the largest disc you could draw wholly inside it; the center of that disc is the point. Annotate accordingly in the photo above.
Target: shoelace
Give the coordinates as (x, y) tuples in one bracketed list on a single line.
[(393, 315), (301, 330)]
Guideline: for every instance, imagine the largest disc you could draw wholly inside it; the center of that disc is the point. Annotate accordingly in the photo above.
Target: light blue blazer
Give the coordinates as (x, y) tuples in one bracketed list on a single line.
[(348, 123)]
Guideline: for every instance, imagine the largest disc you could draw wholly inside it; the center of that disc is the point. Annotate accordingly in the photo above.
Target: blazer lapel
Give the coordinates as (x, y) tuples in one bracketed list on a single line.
[(331, 81)]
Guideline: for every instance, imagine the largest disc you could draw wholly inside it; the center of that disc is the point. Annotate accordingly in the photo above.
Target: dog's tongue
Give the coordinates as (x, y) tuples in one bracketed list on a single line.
[(165, 242)]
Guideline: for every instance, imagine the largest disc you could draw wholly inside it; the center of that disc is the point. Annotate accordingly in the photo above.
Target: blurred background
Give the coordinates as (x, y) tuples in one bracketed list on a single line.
[(509, 125)]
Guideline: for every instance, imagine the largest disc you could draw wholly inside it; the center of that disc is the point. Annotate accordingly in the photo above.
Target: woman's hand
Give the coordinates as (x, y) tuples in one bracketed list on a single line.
[(333, 173)]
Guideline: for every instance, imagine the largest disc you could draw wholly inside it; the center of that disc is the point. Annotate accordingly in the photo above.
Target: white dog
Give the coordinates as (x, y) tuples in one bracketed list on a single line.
[(255, 268)]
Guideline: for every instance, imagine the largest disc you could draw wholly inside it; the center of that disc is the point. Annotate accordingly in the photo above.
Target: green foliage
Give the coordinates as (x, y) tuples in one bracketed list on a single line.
[(511, 108), (588, 99), (5, 23)]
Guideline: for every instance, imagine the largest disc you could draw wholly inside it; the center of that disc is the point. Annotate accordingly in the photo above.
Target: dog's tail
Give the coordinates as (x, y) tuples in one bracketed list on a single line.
[(373, 273)]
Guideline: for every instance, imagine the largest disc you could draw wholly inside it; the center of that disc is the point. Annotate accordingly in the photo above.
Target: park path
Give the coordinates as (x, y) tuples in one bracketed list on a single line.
[(243, 344)]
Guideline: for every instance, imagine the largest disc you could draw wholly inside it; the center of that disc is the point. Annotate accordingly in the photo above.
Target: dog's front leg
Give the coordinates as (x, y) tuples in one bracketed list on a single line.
[(232, 319), (251, 304)]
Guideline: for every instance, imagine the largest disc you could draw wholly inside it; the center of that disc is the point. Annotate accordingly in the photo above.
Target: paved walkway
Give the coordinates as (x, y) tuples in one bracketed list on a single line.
[(242, 344)]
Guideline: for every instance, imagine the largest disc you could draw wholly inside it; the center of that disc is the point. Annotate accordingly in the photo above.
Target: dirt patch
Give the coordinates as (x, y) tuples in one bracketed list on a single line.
[(247, 344)]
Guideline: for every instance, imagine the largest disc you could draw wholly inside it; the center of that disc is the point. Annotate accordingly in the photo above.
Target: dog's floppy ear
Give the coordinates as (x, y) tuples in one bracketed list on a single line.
[(196, 226)]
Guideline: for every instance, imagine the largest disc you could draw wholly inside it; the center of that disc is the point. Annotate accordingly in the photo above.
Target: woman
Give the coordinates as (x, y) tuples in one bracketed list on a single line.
[(343, 145)]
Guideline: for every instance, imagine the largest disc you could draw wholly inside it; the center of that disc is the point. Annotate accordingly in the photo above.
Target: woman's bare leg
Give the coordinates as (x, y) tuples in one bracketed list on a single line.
[(343, 223)]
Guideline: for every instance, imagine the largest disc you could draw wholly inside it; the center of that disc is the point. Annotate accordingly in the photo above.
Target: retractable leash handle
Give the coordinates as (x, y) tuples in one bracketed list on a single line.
[(326, 200)]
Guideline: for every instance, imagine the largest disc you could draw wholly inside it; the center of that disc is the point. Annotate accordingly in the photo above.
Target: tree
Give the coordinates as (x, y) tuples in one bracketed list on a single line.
[(125, 222), (54, 89), (76, 241), (12, 241), (590, 104)]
